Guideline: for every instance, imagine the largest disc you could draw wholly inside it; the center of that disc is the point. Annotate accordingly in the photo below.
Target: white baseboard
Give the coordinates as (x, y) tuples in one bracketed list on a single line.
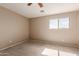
[(56, 43), (14, 44)]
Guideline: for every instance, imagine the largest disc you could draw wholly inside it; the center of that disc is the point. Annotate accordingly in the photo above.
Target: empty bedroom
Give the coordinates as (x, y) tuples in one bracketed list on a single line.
[(39, 29)]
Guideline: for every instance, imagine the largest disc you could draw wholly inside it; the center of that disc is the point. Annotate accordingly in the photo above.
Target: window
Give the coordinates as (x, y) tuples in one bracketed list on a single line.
[(59, 23), (64, 22), (53, 24)]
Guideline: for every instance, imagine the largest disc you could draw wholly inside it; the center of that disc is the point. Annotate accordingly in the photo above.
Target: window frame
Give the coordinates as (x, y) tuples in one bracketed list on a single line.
[(58, 21)]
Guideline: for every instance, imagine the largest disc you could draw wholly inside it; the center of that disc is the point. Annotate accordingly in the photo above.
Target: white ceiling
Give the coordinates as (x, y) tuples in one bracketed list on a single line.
[(34, 10)]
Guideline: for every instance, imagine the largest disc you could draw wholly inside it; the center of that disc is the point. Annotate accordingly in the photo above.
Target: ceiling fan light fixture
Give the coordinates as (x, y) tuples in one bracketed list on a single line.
[(42, 11), (39, 4), (29, 4)]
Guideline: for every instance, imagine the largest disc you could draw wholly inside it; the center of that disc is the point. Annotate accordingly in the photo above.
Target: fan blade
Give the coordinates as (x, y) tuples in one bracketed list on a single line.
[(40, 4), (29, 4)]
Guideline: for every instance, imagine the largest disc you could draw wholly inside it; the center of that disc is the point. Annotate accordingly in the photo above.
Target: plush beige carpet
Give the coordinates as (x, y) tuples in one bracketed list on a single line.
[(34, 48)]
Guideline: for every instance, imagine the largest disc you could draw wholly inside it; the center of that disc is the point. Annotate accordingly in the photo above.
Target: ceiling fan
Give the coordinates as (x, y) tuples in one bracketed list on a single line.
[(39, 4)]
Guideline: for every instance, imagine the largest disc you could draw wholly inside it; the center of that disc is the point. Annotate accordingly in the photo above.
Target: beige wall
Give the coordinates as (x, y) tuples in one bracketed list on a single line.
[(39, 29), (13, 28)]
